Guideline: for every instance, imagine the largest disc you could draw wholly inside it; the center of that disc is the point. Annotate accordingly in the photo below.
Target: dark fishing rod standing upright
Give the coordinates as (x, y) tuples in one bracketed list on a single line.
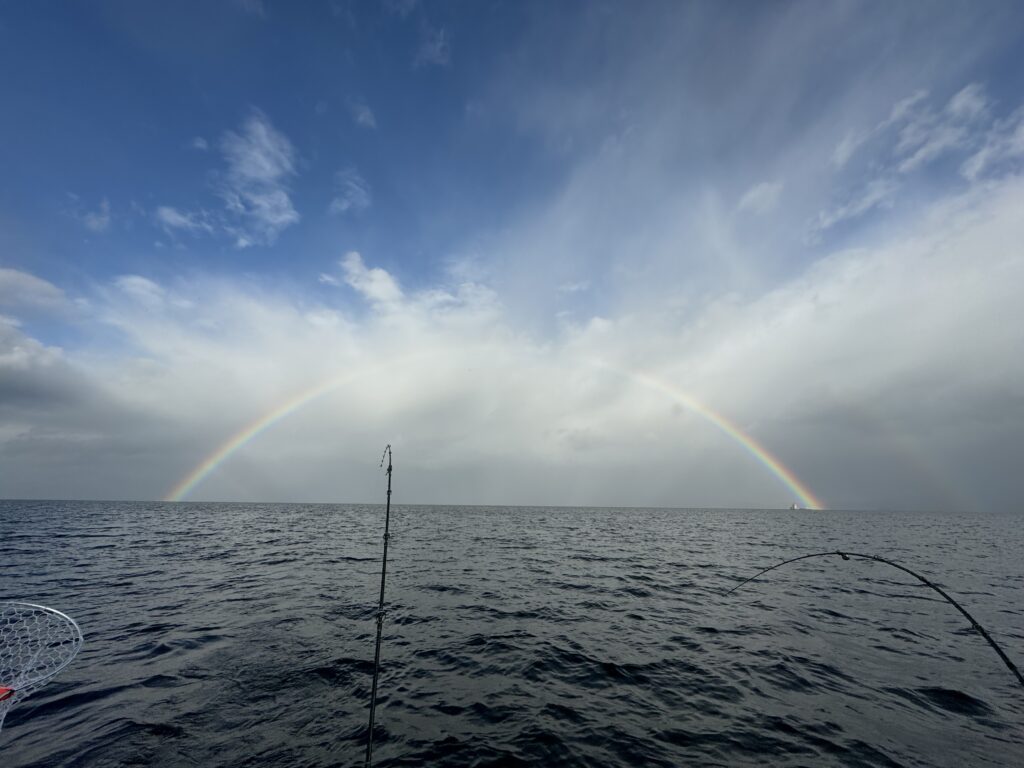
[(380, 609)]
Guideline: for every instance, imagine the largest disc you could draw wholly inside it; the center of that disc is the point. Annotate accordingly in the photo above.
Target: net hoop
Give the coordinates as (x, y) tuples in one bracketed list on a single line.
[(36, 643)]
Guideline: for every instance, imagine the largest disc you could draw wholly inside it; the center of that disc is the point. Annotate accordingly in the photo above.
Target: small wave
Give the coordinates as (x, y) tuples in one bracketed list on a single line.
[(947, 699)]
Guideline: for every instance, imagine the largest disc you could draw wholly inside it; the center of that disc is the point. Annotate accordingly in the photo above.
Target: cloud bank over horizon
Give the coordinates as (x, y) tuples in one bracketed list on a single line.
[(557, 284)]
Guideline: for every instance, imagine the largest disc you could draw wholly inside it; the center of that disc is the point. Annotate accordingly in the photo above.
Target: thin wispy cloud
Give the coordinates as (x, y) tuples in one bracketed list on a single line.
[(880, 193), (845, 149), (761, 198), (353, 193), (434, 47), (574, 287), (400, 8), (172, 220), (854, 140), (362, 114), (96, 220), (1002, 148), (915, 134), (254, 7), (927, 133)]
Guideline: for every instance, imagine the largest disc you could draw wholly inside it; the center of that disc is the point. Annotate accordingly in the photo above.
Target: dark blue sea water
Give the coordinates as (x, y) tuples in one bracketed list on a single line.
[(241, 634)]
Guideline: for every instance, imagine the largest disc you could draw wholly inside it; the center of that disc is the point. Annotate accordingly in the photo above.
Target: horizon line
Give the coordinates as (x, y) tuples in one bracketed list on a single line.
[(499, 506)]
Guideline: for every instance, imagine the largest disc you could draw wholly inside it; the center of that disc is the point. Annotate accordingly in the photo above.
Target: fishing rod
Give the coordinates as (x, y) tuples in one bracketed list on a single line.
[(847, 555), (380, 608)]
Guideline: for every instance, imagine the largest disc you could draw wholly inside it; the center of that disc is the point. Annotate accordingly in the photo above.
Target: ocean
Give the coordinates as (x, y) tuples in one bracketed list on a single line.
[(242, 634)]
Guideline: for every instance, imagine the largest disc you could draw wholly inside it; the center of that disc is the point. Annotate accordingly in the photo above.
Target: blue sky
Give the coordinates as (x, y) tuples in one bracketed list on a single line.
[(208, 207)]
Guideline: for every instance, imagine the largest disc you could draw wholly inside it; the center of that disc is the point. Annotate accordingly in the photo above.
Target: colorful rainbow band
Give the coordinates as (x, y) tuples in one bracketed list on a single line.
[(203, 470), (772, 463)]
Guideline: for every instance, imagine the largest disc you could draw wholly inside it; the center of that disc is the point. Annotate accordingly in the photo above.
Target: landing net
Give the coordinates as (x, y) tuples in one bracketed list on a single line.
[(36, 643)]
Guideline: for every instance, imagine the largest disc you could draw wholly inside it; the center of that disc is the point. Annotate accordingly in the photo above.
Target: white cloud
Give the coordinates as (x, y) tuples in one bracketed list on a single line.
[(141, 289), (362, 115), (375, 284), (199, 143), (844, 366), (353, 193), (761, 198), (255, 186), (19, 290), (20, 353)]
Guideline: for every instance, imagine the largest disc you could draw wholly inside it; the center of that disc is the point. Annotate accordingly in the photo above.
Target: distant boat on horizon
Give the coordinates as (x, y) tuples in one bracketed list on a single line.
[(794, 505)]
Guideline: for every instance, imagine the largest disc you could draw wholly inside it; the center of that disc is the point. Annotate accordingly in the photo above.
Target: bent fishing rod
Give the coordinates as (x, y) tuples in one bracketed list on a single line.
[(380, 608), (847, 555)]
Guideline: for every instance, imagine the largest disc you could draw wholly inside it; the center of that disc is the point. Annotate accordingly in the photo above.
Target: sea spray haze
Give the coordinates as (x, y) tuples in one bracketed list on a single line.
[(228, 634)]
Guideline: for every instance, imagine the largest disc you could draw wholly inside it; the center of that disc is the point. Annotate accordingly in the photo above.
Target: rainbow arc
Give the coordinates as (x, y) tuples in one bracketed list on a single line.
[(232, 444)]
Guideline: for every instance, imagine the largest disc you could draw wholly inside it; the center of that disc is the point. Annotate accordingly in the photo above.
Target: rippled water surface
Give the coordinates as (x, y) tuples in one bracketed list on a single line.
[(240, 634)]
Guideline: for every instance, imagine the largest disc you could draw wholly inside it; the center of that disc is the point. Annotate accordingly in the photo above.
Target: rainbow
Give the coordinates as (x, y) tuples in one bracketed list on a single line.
[(772, 463), (203, 470)]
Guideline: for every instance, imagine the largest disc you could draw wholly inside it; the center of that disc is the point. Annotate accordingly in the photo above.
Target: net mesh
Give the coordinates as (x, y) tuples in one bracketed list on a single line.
[(35, 644)]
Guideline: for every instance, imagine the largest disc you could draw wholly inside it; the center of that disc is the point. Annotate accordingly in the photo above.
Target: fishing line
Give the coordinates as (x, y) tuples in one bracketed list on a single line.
[(380, 609), (847, 555)]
